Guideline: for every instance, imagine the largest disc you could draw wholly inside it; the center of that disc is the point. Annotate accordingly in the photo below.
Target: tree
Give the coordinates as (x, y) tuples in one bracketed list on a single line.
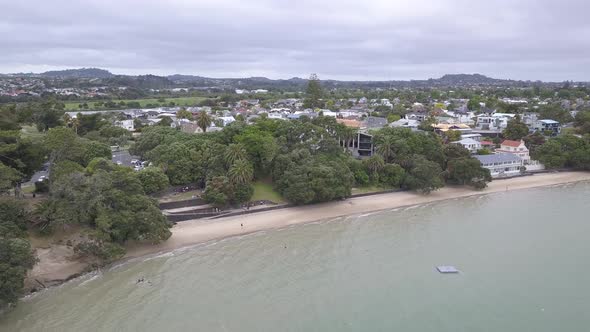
[(153, 180), (165, 122), (241, 172), (468, 171), (203, 121), (313, 93), (385, 146), (374, 163), (93, 149), (13, 218), (533, 141), (16, 257), (9, 177), (392, 175), (184, 114), (261, 148), (582, 122), (424, 175), (453, 135), (515, 130), (216, 191), (235, 152)]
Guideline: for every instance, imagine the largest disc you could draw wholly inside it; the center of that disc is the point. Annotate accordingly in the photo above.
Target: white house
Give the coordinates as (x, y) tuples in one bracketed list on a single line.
[(126, 124), (501, 164), (227, 120), (469, 143), (496, 121)]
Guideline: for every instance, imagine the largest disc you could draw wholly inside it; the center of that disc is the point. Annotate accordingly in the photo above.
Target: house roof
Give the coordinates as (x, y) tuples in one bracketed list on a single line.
[(547, 121), (487, 143), (349, 123), (467, 141), (497, 158), (513, 144)]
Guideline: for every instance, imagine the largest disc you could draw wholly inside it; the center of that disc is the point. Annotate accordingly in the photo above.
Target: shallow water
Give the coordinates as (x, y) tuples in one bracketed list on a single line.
[(523, 258)]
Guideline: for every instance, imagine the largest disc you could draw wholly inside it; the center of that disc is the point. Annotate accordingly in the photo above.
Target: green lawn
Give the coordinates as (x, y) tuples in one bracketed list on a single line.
[(179, 101), (265, 191), (368, 189)]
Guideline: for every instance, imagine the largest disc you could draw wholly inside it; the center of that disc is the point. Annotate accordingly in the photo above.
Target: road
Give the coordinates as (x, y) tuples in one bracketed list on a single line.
[(124, 158)]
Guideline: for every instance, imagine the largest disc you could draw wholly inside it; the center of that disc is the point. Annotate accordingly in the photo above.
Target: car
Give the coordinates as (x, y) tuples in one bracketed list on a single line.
[(119, 162)]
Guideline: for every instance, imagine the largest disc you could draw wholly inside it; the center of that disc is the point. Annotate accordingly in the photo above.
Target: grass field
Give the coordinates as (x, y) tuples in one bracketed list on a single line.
[(179, 101), (368, 189), (265, 191)]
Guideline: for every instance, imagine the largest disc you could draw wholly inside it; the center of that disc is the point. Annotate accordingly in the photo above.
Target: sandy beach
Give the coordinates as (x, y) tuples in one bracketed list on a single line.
[(193, 232)]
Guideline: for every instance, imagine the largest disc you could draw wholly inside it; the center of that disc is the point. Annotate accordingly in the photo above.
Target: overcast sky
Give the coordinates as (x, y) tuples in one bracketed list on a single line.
[(340, 39)]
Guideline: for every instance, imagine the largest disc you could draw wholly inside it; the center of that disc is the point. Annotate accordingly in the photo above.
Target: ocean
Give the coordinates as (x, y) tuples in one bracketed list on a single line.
[(523, 258)]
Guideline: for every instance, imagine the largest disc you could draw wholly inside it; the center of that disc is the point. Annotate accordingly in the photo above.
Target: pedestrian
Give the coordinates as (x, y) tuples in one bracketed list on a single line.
[(242, 225)]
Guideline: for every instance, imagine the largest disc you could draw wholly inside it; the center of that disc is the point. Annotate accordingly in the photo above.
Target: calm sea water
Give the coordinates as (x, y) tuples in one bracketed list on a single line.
[(524, 258)]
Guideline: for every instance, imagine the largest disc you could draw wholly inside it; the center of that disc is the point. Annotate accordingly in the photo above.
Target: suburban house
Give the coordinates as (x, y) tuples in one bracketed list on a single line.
[(443, 127), (405, 123), (496, 121), (361, 144), (374, 122), (518, 148), (548, 126), (501, 164), (470, 144), (126, 124), (515, 147)]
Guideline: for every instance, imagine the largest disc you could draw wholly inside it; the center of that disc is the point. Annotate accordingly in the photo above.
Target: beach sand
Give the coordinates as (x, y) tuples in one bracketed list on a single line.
[(193, 232)]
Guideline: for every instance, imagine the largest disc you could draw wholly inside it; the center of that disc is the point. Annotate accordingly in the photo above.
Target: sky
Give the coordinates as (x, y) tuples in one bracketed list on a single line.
[(337, 39)]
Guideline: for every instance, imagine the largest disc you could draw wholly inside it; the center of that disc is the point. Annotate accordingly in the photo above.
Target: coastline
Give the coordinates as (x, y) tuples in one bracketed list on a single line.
[(193, 232), (58, 270)]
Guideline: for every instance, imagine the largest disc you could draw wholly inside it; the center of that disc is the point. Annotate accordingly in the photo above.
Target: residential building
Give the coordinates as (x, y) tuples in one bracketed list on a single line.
[(548, 126), (496, 121), (515, 147), (374, 122), (126, 124), (405, 123), (501, 164), (470, 144)]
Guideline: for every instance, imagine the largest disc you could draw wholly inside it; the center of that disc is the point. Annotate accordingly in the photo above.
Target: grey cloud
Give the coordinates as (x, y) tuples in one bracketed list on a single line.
[(378, 39)]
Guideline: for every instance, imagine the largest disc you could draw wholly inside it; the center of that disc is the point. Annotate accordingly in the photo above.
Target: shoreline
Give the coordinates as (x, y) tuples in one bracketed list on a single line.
[(60, 270), (193, 232)]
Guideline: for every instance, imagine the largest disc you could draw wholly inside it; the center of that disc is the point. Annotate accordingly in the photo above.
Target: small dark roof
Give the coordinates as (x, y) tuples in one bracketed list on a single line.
[(375, 122), (497, 158)]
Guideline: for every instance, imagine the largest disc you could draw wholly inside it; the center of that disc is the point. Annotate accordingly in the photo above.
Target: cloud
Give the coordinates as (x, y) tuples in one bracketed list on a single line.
[(342, 39)]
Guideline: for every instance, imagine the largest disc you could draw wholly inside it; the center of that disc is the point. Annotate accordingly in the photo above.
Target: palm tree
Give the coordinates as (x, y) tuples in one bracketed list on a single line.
[(203, 121), (386, 148), (75, 122), (375, 163), (234, 153), (241, 172)]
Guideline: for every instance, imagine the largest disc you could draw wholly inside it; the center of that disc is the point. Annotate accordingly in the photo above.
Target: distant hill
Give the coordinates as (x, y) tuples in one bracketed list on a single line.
[(78, 73), (85, 77)]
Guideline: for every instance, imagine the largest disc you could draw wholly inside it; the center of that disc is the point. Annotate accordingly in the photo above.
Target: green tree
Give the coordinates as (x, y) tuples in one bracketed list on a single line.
[(235, 152), (13, 217), (204, 121), (165, 122), (453, 135), (516, 129), (468, 171), (392, 175), (153, 180), (241, 172), (374, 163), (424, 175), (16, 257), (184, 114), (313, 93)]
